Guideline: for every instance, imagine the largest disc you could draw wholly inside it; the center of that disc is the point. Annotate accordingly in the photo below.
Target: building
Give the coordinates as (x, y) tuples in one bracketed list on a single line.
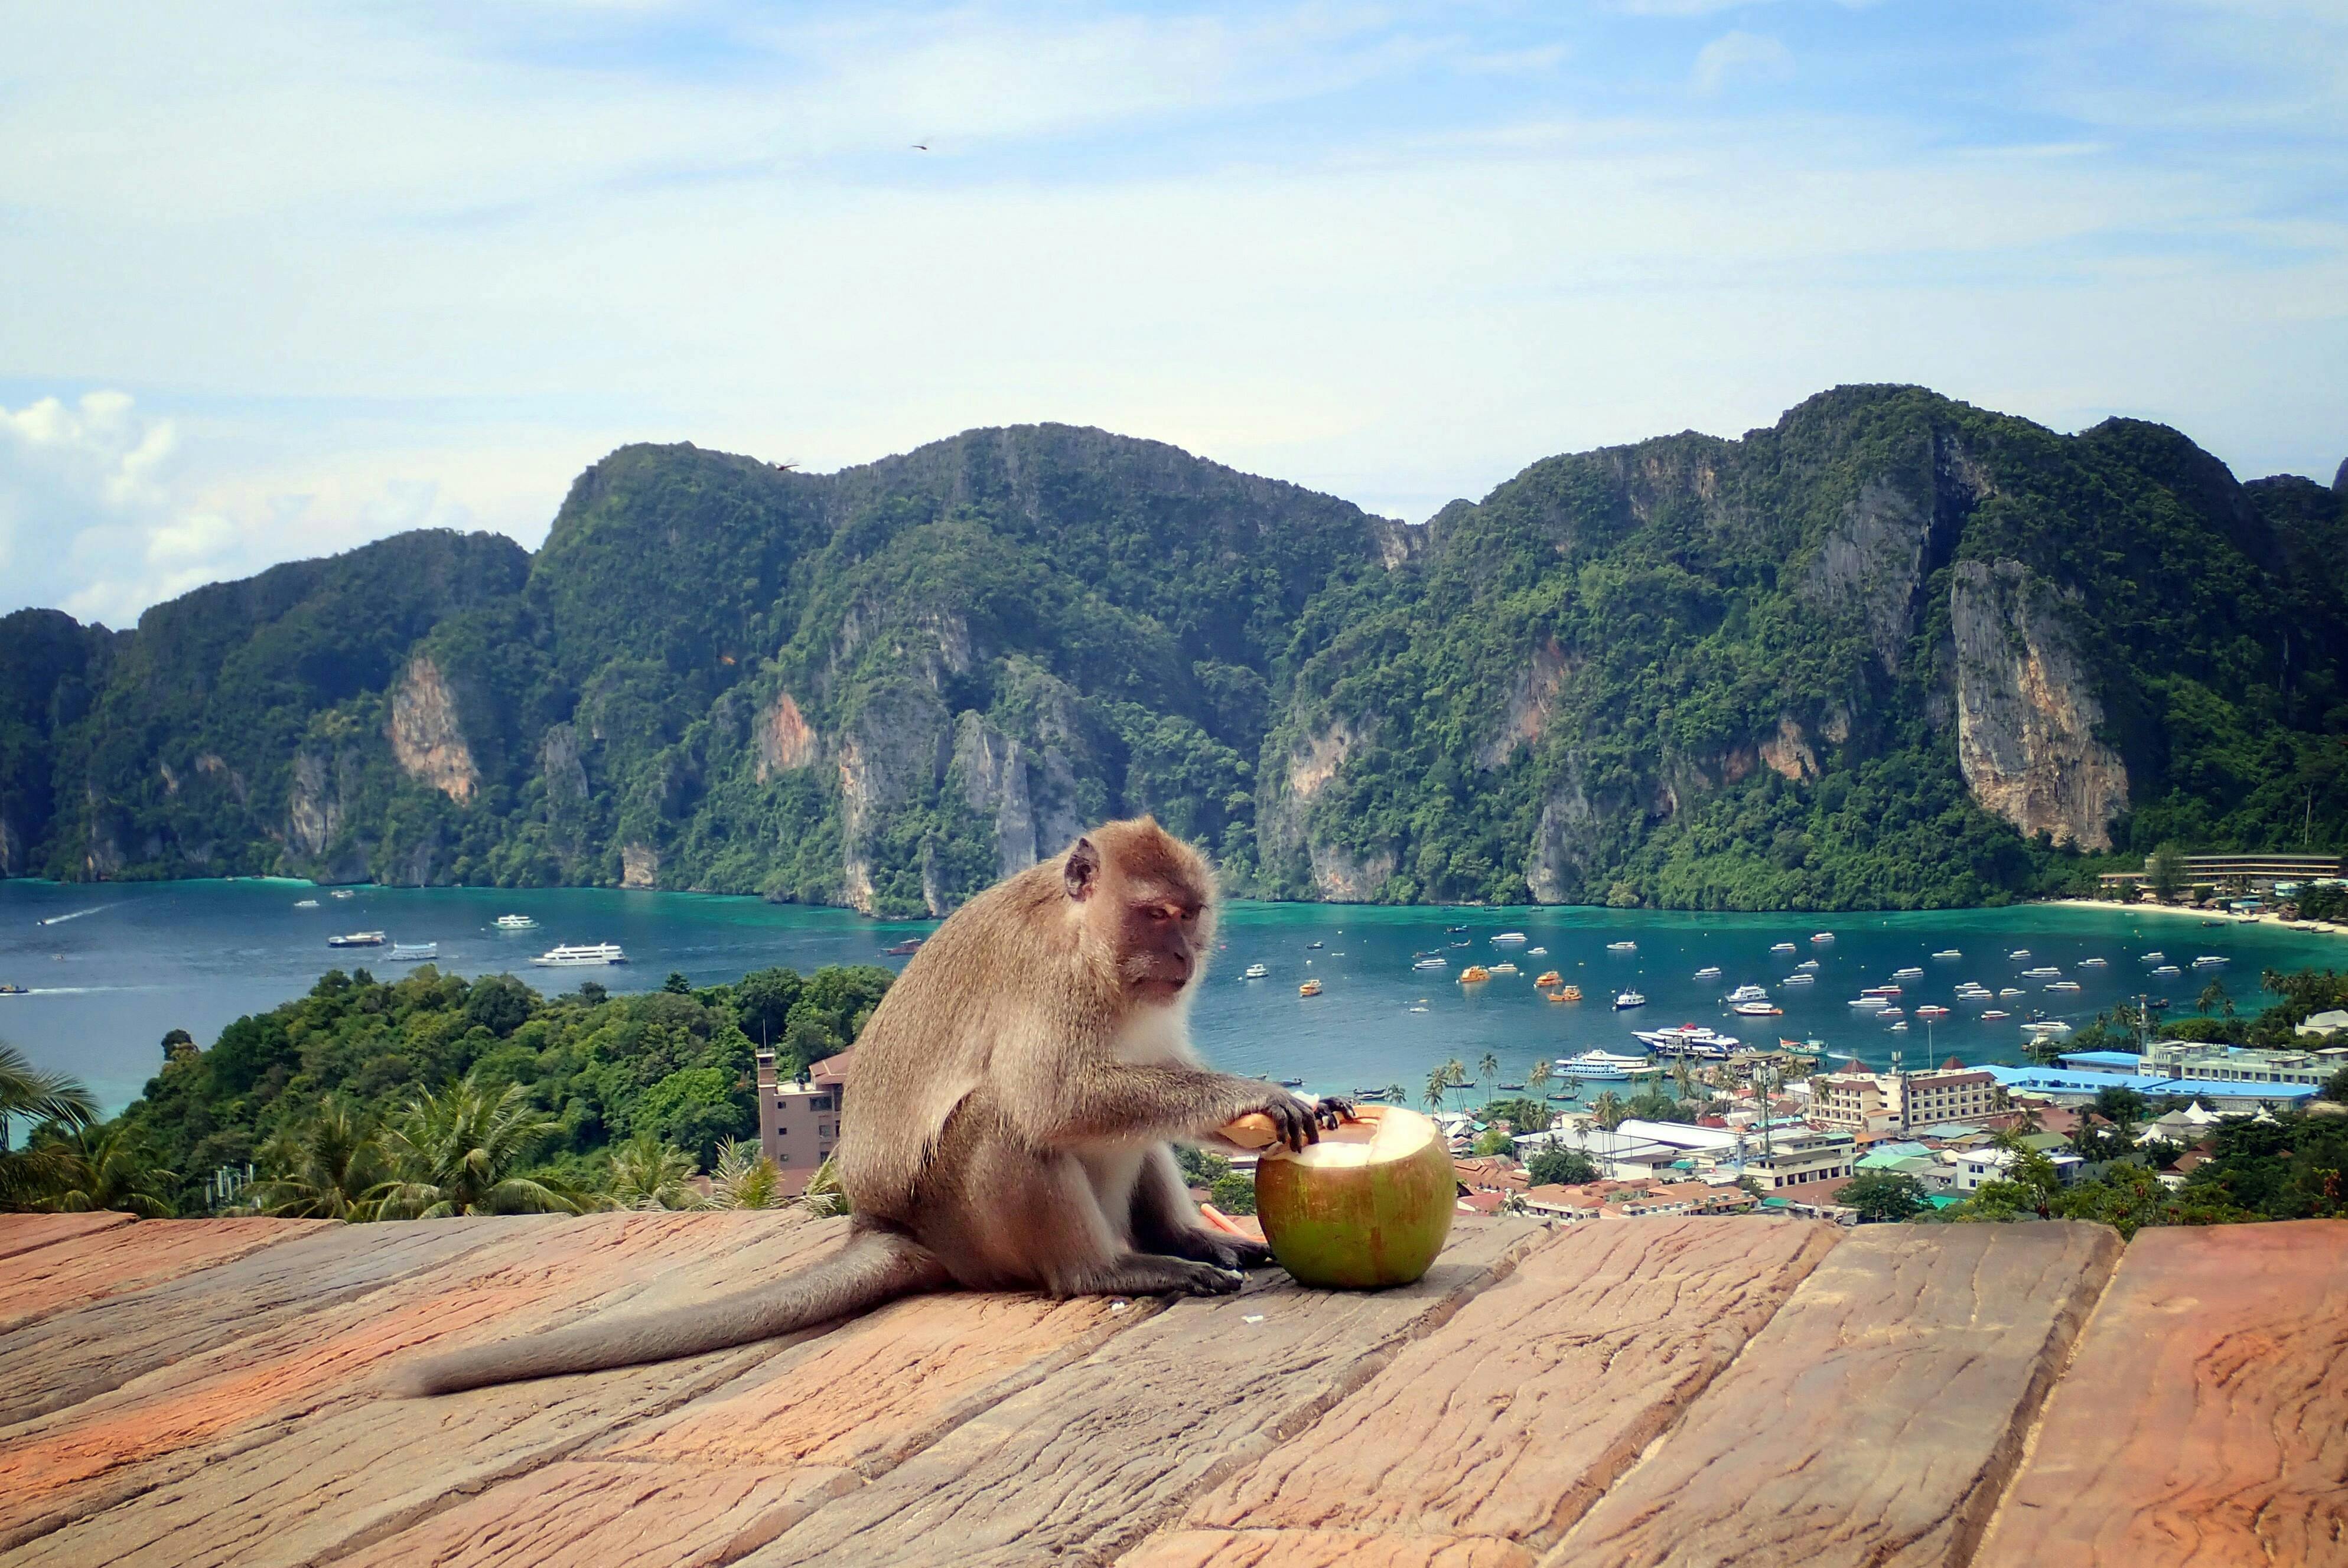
[(2322, 1023), (2199, 1061), (2245, 871), (798, 1124), (2081, 1088), (1870, 1102), (1975, 1166)]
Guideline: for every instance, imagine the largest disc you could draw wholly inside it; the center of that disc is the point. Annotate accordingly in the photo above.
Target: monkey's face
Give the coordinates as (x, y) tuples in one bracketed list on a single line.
[(1148, 900), (1158, 946)]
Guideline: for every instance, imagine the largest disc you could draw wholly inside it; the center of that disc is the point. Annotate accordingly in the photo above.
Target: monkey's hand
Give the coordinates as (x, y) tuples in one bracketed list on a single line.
[(1294, 1123), (1200, 1244), (1334, 1108)]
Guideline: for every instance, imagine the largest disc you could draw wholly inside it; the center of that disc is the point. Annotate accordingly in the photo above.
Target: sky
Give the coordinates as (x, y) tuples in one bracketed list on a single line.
[(278, 280)]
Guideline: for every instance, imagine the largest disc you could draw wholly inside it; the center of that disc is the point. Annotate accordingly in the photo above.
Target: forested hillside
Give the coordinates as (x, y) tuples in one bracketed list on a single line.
[(1892, 651)]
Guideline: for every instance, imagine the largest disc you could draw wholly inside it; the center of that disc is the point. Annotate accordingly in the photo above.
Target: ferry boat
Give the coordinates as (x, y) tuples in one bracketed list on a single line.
[(2019, 953), (1931, 1010), (1604, 1066), (1910, 973), (1548, 978), (2063, 986), (2155, 957), (1622, 947), (414, 953), (1799, 979), (1756, 1009), (2168, 969), (1474, 973), (1748, 994), (1821, 937), (1994, 1013), (1709, 972), (581, 957), (1309, 989), (1868, 1001), (2094, 963), (1949, 953), (1781, 947), (1504, 968), (515, 923), (1886, 991), (2210, 961), (358, 939), (1508, 939), (2042, 972), (905, 949), (1566, 994), (1254, 972), (1627, 1000), (1432, 963), (1688, 1039), (306, 903)]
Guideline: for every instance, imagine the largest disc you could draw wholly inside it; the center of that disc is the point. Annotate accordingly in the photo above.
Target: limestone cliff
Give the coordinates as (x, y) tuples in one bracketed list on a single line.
[(786, 740), (2026, 713), (992, 769), (1531, 705), (426, 736)]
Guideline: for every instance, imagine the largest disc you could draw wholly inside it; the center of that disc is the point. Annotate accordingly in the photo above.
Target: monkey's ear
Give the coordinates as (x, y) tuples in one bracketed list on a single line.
[(1083, 870)]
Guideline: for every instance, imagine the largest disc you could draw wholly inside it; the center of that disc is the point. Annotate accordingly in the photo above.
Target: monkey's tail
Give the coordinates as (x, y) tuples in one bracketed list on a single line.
[(874, 1267)]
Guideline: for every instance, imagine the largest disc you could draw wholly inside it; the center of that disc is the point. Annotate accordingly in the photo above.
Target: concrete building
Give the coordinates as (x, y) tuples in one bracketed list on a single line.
[(2200, 1061), (2081, 1088), (798, 1124), (1975, 1166), (2247, 873), (1873, 1101)]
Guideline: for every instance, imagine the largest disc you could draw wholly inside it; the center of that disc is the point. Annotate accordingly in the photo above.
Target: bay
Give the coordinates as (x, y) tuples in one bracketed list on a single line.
[(110, 968)]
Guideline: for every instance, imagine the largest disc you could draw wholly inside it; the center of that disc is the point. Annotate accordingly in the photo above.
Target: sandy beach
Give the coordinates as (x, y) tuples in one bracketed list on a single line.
[(2217, 914)]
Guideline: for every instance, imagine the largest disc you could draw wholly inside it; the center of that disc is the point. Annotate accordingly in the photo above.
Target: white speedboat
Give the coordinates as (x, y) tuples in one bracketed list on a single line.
[(1537, 952), (2063, 986), (2019, 953), (1887, 992), (1622, 947), (2168, 969), (2042, 972), (1709, 972), (1508, 939), (342, 893), (1822, 937), (1761, 1008), (1994, 1013), (414, 953), (1799, 979), (1504, 968), (515, 923), (2094, 963), (1623, 999), (1910, 973), (1781, 947), (306, 903), (2210, 961), (1254, 972), (2047, 1029), (2011, 991), (1809, 965), (2155, 957), (1949, 953), (358, 939), (1869, 1004), (1931, 1010), (1748, 994), (1432, 964), (581, 957)]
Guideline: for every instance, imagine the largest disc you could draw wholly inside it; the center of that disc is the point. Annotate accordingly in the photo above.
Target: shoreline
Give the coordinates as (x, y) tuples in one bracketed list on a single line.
[(2316, 927)]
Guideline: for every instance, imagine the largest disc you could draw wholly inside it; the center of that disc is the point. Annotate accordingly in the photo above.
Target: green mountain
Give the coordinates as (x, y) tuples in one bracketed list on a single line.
[(1892, 651)]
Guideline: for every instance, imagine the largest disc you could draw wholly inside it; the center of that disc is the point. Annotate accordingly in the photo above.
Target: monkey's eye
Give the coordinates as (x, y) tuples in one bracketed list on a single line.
[(1157, 913)]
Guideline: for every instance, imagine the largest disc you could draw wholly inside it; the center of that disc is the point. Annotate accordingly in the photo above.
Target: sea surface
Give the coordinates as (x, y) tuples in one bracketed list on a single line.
[(111, 968)]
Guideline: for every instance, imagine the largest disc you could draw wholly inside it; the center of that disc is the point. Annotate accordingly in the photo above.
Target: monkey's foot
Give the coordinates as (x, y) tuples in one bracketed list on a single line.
[(1203, 1245), (1149, 1273)]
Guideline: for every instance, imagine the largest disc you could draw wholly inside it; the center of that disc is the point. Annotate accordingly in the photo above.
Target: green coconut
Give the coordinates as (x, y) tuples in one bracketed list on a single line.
[(1368, 1207)]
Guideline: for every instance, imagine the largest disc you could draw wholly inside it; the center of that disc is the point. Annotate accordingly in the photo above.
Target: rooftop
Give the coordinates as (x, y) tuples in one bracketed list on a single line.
[(1675, 1391)]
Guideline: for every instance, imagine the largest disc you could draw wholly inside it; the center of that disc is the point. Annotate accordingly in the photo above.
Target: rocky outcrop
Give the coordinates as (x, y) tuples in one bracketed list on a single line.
[(1568, 842), (559, 764), (992, 768), (639, 866), (426, 736), (786, 740), (1787, 752), (212, 765), (1531, 704), (1288, 792), (314, 807), (1875, 561), (12, 849), (2026, 712), (893, 753), (1396, 542), (1342, 877)]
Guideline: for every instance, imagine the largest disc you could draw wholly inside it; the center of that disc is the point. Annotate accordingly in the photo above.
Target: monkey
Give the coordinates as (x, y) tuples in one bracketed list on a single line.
[(1008, 1120)]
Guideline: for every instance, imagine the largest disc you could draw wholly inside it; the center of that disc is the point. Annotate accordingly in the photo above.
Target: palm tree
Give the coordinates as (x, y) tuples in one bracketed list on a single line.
[(1682, 1078), (1396, 1094), (744, 1178), (1537, 1078), (825, 1197), (108, 1168), (1438, 1083), (647, 1173), (330, 1169), (1573, 1085), (34, 1098), (460, 1152), (1490, 1065), (1608, 1110), (2213, 997)]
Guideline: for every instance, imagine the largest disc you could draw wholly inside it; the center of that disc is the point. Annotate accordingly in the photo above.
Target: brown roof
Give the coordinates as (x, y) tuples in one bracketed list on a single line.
[(206, 1394)]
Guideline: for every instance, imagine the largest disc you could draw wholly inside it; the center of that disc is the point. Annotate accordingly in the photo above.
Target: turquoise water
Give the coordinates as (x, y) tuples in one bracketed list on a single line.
[(120, 965)]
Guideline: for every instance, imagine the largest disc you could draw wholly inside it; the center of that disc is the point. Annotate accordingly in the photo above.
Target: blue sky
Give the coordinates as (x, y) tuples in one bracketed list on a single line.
[(274, 281)]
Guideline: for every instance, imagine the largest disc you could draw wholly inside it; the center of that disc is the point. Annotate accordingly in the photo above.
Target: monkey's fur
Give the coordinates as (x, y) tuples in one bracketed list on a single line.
[(1008, 1119)]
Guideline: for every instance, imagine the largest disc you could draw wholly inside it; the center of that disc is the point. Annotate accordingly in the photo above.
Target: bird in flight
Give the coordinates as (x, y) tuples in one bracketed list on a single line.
[(921, 147), (785, 468)]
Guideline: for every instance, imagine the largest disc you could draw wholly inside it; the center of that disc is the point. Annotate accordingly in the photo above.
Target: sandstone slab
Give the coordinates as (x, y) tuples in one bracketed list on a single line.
[(1877, 1417), (2204, 1420), (116, 1259), (23, 1232)]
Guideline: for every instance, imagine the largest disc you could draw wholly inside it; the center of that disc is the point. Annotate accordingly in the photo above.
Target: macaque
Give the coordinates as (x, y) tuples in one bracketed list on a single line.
[(1008, 1120)]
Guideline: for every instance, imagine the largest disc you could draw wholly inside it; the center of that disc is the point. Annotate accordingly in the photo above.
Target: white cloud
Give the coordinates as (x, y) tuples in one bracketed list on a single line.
[(1739, 56)]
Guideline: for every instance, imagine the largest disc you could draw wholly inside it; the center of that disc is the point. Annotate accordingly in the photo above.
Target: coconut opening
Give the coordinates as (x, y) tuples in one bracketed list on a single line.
[(1376, 1139)]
